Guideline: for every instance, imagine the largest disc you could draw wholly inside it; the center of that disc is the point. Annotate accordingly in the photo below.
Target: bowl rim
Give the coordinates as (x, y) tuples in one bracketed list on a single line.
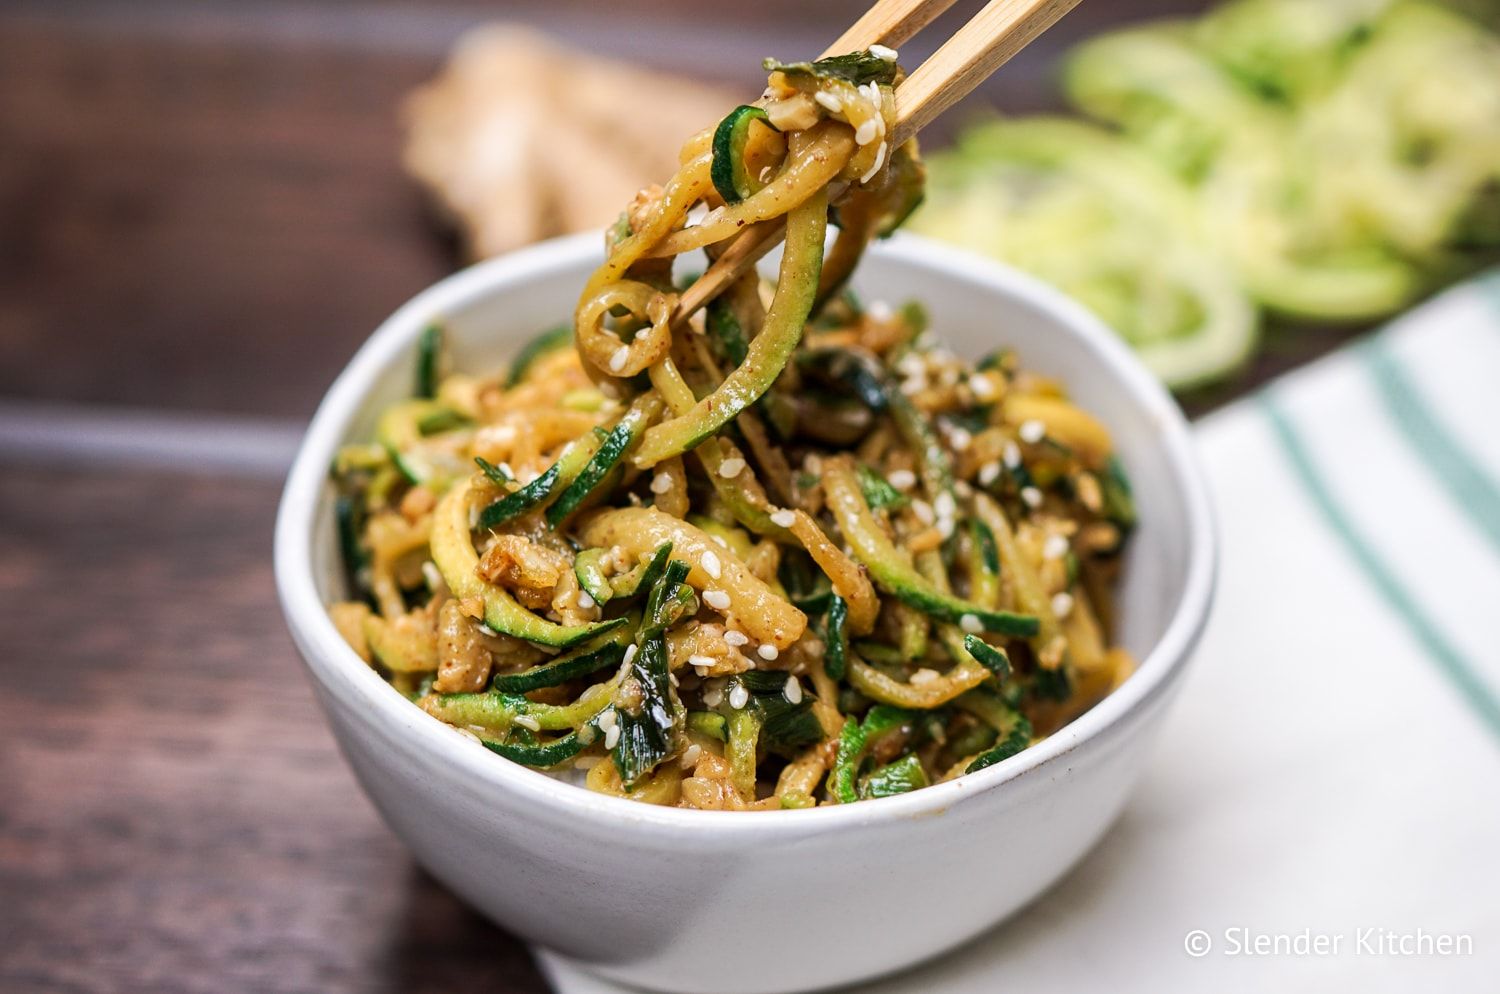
[(335, 665)]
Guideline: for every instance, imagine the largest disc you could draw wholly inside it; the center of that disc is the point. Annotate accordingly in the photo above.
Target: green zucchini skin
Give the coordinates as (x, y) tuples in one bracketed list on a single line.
[(850, 373), (725, 333), (857, 68), (546, 755), (493, 473), (590, 574), (429, 361), (836, 659), (916, 591), (989, 657), (453, 554), (544, 487), (785, 728), (1013, 742), (644, 577), (855, 737), (590, 481), (709, 724), (646, 736), (401, 430), (770, 351), (894, 574), (900, 777), (547, 342), (727, 170), (587, 659)]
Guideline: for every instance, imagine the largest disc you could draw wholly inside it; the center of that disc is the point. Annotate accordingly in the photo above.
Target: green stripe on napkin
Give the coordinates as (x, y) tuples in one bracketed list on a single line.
[(1458, 669), (1470, 487)]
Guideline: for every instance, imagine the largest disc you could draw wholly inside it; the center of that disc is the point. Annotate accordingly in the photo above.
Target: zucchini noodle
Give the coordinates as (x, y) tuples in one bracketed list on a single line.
[(783, 553)]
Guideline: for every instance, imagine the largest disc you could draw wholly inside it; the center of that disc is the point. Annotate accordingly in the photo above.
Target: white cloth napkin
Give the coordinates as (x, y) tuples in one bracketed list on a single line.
[(1332, 766)]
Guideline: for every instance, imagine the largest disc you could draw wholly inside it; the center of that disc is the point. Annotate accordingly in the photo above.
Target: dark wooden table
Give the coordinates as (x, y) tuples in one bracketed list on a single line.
[(201, 216)]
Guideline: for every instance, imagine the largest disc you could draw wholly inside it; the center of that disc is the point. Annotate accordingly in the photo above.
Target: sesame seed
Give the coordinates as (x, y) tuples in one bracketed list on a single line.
[(960, 439), (793, 691), (690, 756), (983, 387), (767, 651), (1032, 496), (608, 719), (612, 737), (739, 696), (731, 467), (716, 599), (736, 638), (914, 386), (944, 505), (946, 527), (875, 166), (661, 483), (1055, 547), (989, 473), (879, 310), (813, 463), (585, 601), (710, 564), (882, 53), (923, 511), (783, 518), (1062, 604), (713, 696), (505, 468), (630, 651), (829, 100), (971, 624), (431, 575), (865, 133), (527, 721), (699, 660), (618, 360), (720, 540), (911, 364), (924, 676), (902, 479), (1032, 431)]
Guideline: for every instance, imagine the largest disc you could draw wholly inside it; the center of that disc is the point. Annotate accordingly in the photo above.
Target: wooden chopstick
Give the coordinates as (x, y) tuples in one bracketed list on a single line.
[(1000, 30), (890, 23), (976, 50)]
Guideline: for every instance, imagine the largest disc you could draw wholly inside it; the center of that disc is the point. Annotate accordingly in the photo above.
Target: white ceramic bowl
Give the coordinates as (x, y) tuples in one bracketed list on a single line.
[(752, 903)]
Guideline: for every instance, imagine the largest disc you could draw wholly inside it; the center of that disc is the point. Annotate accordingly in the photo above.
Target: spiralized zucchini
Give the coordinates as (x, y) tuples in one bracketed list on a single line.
[(789, 552), (1325, 161)]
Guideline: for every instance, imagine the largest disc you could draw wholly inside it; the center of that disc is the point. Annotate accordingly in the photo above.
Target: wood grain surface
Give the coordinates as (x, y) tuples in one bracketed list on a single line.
[(201, 211), (175, 815)]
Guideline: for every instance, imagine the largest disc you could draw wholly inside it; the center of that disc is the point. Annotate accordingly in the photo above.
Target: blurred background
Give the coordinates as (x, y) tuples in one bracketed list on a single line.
[(207, 205), (219, 183)]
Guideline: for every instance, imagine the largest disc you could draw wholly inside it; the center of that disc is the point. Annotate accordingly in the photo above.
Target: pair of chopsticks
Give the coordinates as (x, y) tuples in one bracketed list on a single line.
[(981, 46)]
